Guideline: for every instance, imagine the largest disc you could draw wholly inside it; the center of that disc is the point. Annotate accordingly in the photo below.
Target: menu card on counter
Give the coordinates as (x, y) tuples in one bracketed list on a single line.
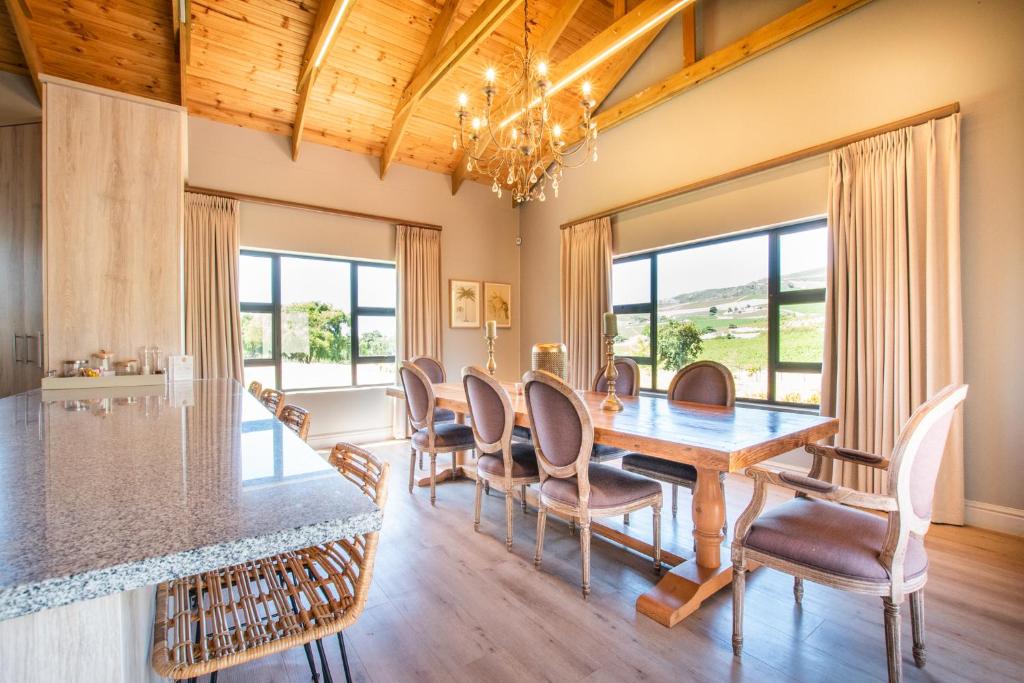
[(179, 369)]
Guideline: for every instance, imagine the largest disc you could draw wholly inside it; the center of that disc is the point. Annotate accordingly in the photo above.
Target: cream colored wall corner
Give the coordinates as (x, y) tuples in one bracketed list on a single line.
[(885, 61)]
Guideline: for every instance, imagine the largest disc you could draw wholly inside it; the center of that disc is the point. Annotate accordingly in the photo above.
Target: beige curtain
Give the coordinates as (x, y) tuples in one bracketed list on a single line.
[(212, 326), (420, 314), (586, 295), (893, 307)]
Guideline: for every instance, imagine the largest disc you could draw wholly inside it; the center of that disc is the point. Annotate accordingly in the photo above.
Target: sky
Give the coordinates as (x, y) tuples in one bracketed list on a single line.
[(305, 280), (726, 264)]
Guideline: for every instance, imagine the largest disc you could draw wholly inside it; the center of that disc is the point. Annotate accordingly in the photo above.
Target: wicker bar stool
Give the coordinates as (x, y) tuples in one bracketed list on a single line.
[(430, 437), (297, 419), (255, 388), (273, 400), (229, 616), (705, 382)]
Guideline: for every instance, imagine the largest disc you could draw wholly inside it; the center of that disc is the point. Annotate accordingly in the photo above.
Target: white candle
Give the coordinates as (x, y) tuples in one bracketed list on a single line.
[(492, 329)]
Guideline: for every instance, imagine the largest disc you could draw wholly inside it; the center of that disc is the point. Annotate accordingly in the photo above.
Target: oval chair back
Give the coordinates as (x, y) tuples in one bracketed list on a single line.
[(705, 382), (563, 433), (297, 419), (490, 412), (628, 383), (431, 367), (255, 388), (273, 400), (419, 396), (914, 465)]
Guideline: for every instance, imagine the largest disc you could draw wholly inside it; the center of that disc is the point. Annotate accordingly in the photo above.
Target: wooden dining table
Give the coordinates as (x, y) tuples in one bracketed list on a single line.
[(713, 439)]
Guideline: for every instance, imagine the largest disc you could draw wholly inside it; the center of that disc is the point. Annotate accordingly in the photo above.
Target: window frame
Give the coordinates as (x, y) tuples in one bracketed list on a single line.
[(776, 300), (274, 308)]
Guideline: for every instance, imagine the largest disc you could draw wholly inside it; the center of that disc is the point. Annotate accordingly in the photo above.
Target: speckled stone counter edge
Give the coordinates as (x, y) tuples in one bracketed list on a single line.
[(16, 601)]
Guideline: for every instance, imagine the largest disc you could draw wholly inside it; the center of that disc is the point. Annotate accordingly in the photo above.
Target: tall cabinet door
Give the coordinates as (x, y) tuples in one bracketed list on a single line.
[(21, 305)]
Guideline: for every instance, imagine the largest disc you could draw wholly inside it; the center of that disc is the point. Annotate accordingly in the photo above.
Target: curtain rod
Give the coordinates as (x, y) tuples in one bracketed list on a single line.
[(256, 199), (799, 155)]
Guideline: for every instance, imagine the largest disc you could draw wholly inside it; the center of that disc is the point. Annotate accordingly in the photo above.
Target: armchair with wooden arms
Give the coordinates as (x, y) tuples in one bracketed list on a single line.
[(821, 535)]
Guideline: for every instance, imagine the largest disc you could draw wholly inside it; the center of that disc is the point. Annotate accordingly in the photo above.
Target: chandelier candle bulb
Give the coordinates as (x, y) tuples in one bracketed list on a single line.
[(611, 325)]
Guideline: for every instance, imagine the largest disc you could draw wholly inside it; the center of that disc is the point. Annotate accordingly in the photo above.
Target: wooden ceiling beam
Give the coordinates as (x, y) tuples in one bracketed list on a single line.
[(543, 45), (329, 20), (803, 19), (181, 11), (689, 17), (20, 15), (478, 27)]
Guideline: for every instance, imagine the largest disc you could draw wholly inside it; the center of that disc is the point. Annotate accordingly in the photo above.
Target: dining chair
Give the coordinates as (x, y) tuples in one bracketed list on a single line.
[(627, 384), (255, 388), (297, 419), (570, 483), (705, 382), (429, 436), (218, 619), (273, 400), (436, 372), (500, 461), (825, 534)]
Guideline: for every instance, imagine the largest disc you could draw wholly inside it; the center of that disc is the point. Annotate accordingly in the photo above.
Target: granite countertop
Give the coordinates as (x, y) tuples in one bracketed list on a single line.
[(106, 490)]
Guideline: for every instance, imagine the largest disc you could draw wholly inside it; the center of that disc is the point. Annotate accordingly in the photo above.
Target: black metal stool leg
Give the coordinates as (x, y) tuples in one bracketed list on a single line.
[(323, 661), (213, 677), (312, 663), (344, 657)]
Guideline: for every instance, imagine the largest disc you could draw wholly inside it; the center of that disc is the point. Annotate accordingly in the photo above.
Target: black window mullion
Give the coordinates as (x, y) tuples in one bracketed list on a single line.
[(275, 319), (774, 270), (354, 323), (654, 321)]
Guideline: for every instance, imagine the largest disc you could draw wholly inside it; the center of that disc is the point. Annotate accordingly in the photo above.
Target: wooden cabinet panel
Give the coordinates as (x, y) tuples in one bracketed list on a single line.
[(113, 179), (21, 235)]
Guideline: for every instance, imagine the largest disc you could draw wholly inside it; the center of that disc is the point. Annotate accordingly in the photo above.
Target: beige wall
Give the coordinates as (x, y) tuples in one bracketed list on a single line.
[(885, 61), (477, 241)]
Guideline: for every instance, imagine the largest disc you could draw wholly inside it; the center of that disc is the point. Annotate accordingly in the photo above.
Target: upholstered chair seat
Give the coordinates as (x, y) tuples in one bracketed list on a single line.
[(524, 462), (610, 487), (443, 415), (831, 538), (447, 435)]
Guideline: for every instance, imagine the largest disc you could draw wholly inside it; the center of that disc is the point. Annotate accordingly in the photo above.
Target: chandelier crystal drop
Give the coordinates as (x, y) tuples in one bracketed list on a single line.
[(514, 138)]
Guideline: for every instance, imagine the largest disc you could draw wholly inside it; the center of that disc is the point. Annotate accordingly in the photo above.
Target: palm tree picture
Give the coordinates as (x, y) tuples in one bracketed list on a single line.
[(465, 303)]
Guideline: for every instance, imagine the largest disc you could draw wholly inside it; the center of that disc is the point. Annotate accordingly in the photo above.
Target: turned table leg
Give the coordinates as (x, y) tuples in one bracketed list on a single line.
[(682, 590)]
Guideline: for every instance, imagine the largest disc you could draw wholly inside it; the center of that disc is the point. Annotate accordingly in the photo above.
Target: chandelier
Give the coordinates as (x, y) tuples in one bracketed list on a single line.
[(513, 139)]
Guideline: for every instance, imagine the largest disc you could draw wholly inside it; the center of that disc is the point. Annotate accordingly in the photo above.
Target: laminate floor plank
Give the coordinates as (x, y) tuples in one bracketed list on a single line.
[(448, 604)]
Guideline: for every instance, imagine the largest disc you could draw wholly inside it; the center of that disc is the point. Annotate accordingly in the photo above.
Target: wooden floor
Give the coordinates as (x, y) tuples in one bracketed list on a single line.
[(451, 604)]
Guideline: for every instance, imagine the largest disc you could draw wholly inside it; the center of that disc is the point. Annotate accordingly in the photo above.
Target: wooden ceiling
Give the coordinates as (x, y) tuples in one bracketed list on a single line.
[(244, 59)]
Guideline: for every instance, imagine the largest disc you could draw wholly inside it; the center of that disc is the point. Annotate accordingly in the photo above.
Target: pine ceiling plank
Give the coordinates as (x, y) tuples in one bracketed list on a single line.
[(329, 23), (477, 28)]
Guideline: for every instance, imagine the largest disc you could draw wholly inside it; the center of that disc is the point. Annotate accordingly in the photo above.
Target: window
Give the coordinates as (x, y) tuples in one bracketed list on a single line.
[(317, 323), (754, 302)]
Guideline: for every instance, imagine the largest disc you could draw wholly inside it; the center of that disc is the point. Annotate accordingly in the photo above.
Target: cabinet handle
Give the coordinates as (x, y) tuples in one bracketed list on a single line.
[(39, 350), (16, 338), (28, 350)]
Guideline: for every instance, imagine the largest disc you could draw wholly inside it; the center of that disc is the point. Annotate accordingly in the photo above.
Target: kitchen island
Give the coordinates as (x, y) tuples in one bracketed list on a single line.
[(105, 493)]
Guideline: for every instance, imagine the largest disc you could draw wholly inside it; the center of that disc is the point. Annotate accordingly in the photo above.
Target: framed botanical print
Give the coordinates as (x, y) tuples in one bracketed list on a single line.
[(464, 303), (498, 303)]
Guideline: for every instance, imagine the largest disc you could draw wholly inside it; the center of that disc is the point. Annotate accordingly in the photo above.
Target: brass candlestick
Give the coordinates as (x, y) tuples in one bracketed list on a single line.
[(611, 402), (491, 365)]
